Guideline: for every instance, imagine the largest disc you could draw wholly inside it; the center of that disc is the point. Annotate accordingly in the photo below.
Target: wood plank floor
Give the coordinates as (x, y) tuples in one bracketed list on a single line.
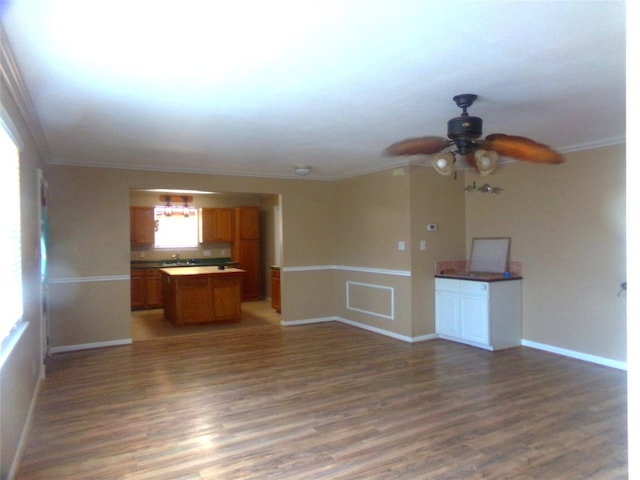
[(149, 324), (324, 401)]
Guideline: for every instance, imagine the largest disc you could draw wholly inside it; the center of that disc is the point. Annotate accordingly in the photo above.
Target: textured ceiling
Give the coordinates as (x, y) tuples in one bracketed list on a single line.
[(254, 88)]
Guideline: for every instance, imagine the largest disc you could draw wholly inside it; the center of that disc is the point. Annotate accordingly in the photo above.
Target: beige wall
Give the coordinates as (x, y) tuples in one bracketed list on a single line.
[(372, 215), (434, 200), (567, 224), (90, 243)]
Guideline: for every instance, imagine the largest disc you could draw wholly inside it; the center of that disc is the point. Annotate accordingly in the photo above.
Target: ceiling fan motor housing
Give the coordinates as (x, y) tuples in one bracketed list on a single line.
[(466, 127), (463, 130)]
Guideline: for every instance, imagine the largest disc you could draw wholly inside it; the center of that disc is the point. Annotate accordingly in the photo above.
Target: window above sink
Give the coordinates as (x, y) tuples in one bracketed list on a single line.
[(178, 230)]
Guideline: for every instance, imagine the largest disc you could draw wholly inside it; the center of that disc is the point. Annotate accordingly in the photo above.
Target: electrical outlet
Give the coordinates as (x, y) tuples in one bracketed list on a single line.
[(423, 244), (401, 245), (206, 253)]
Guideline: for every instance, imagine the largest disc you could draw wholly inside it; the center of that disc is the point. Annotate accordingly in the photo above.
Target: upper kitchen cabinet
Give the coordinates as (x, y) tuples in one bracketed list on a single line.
[(143, 226), (216, 225), (247, 223)]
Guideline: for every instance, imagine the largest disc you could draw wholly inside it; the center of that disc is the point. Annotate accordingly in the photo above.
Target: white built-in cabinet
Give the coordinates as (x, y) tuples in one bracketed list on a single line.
[(483, 314)]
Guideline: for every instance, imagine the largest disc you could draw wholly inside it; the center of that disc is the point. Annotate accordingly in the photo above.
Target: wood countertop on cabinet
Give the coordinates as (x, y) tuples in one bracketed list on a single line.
[(185, 271), (193, 295)]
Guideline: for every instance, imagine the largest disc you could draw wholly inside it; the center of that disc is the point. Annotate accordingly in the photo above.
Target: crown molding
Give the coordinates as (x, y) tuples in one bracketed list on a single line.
[(10, 74), (604, 142)]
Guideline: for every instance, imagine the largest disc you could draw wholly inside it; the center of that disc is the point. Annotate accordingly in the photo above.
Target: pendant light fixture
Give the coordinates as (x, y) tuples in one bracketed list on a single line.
[(185, 210), (168, 209)]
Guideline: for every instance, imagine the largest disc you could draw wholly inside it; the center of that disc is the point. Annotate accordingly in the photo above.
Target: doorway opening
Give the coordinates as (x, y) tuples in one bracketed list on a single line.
[(147, 315)]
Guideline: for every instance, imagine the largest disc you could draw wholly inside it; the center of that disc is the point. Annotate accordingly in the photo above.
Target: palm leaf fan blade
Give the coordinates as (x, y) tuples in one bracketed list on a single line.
[(417, 146), (521, 148)]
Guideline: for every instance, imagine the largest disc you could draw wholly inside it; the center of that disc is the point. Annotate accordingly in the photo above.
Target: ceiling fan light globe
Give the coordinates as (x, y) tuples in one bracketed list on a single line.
[(443, 163), (486, 161)]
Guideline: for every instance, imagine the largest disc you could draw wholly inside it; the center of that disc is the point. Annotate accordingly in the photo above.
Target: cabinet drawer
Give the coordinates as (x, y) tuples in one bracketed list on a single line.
[(462, 286), (193, 282), (476, 288)]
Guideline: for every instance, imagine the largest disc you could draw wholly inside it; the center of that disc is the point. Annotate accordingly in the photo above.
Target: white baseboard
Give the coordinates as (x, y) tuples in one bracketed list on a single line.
[(381, 331), (525, 343), (363, 326), (88, 346), (22, 442), (308, 321), (607, 362)]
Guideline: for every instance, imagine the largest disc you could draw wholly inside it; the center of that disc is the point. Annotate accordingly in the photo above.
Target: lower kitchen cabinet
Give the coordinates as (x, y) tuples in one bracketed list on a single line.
[(483, 314), (247, 254), (146, 289), (138, 289), (153, 294), (275, 289), (197, 295)]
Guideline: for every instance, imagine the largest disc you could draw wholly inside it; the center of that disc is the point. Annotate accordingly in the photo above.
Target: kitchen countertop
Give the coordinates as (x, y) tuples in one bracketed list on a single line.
[(198, 262), (211, 270), (478, 277)]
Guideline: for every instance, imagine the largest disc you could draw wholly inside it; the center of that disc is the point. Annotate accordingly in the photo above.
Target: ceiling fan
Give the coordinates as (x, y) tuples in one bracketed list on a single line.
[(464, 144)]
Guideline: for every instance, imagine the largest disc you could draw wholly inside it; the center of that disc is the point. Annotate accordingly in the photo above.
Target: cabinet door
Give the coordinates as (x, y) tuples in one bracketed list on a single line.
[(249, 258), (206, 225), (193, 300), (275, 289), (143, 226), (226, 297), (137, 289), (216, 225), (447, 313), (153, 294), (474, 318), (224, 224), (247, 223)]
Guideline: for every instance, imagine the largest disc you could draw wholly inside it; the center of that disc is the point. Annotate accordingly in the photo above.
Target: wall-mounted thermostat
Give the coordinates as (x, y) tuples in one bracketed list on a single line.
[(432, 227)]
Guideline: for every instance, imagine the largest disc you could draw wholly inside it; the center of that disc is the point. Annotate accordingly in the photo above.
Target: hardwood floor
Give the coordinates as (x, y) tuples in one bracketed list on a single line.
[(324, 401), (150, 324)]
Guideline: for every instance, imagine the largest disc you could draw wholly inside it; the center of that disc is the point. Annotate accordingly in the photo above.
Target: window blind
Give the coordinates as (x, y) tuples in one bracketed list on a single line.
[(10, 235)]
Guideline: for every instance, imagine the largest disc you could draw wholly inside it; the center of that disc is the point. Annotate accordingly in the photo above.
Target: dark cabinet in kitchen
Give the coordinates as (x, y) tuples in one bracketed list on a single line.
[(146, 289), (216, 225), (142, 226), (137, 289), (275, 288), (195, 295), (246, 249)]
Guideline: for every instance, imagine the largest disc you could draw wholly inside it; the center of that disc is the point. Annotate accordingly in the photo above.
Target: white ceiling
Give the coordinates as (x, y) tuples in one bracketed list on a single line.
[(256, 87)]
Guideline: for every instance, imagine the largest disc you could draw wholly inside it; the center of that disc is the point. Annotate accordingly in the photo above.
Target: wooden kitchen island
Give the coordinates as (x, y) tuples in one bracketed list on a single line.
[(196, 295)]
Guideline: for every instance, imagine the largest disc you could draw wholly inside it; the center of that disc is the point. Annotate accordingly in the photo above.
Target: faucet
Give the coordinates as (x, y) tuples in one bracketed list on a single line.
[(176, 256)]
